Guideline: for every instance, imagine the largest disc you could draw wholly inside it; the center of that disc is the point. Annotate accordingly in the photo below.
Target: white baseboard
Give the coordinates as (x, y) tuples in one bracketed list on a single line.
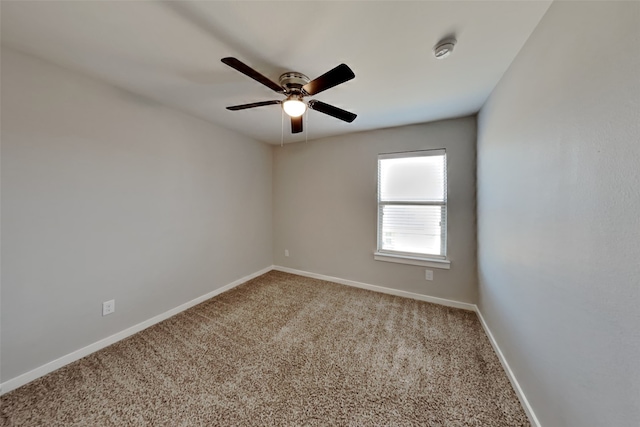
[(27, 377), (375, 288), (514, 382)]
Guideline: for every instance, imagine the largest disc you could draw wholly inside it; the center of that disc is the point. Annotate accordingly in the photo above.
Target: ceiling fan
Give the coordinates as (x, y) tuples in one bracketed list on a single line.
[(295, 86)]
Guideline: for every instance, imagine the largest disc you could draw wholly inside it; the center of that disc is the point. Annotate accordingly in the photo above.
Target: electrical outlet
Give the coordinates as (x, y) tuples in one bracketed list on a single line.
[(428, 274), (286, 252), (108, 307)]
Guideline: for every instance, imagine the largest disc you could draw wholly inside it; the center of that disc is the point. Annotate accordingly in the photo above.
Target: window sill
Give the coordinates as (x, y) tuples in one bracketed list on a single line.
[(404, 259)]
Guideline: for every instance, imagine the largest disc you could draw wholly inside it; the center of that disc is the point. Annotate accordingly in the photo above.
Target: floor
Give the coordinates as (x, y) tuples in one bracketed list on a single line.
[(283, 349)]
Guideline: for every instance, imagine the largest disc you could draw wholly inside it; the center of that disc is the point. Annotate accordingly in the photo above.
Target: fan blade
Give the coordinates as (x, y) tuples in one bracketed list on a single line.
[(342, 73), (296, 124), (255, 104), (248, 71), (336, 112)]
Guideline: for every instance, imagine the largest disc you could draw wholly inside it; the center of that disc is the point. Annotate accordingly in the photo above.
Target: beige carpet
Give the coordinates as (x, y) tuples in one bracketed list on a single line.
[(284, 350)]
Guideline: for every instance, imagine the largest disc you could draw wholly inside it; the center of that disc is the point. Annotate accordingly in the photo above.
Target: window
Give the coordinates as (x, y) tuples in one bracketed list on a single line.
[(412, 206)]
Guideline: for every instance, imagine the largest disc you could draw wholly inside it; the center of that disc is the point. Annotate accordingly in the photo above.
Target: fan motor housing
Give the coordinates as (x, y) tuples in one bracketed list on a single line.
[(293, 82)]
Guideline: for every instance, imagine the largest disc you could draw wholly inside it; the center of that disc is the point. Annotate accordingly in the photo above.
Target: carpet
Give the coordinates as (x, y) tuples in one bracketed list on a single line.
[(284, 350)]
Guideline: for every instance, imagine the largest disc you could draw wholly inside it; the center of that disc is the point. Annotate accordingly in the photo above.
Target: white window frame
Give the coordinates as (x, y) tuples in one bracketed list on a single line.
[(428, 260)]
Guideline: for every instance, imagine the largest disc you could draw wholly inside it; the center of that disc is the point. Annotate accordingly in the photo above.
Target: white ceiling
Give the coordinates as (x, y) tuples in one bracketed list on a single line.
[(171, 51)]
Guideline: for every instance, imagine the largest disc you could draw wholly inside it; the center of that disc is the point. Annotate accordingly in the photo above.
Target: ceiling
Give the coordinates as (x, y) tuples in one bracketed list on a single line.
[(171, 51)]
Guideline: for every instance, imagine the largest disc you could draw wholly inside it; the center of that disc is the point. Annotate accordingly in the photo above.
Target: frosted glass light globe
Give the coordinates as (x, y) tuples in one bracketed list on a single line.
[(294, 107)]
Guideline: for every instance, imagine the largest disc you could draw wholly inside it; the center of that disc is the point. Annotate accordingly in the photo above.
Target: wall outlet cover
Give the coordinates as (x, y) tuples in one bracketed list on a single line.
[(108, 307)]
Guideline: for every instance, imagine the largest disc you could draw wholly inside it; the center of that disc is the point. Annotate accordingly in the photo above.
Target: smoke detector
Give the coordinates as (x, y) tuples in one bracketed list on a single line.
[(444, 48)]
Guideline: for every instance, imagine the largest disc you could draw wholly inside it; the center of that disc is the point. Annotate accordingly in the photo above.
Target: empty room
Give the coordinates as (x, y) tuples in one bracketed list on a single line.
[(336, 213)]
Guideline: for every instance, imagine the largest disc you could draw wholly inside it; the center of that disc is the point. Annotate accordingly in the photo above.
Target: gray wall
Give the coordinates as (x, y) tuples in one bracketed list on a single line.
[(559, 215), (108, 195), (325, 208)]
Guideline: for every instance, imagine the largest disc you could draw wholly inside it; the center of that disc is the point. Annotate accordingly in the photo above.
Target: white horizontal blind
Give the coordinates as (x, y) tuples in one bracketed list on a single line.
[(412, 197)]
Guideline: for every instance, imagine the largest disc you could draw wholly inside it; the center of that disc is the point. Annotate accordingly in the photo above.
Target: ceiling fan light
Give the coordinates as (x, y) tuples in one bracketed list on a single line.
[(294, 107)]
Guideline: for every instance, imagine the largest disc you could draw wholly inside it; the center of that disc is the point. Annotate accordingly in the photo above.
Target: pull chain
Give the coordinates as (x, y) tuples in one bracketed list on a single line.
[(282, 128), (306, 126)]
